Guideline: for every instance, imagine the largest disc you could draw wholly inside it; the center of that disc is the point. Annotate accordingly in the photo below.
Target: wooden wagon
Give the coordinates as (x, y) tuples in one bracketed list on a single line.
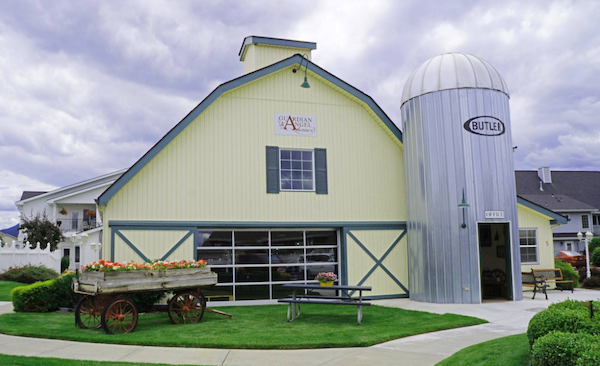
[(105, 303)]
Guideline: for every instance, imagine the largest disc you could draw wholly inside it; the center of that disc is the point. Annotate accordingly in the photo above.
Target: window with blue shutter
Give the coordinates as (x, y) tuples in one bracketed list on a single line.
[(272, 169), (321, 171), (296, 170)]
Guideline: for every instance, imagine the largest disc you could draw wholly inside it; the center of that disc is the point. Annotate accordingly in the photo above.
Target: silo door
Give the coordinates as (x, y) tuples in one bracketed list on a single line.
[(495, 264)]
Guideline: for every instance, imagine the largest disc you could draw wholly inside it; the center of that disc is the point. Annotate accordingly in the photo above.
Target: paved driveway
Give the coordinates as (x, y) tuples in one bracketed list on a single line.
[(505, 318)]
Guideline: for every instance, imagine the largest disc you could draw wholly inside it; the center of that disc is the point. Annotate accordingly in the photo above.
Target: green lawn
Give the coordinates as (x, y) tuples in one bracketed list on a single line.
[(6, 287), (507, 351), (258, 327), (45, 361)]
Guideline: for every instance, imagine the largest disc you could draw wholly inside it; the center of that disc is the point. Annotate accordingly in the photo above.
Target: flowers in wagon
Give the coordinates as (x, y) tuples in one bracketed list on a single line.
[(326, 277), (108, 266)]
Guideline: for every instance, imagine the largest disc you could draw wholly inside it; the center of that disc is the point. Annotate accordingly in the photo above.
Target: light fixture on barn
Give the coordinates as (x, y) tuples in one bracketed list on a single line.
[(305, 84), (464, 205)]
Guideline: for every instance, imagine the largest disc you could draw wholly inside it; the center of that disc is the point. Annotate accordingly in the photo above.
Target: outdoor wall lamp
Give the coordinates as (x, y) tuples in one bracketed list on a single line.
[(74, 238), (588, 237), (464, 205), (305, 84)]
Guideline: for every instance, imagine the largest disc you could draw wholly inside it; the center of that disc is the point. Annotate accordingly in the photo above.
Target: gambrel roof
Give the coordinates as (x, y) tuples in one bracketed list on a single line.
[(235, 83)]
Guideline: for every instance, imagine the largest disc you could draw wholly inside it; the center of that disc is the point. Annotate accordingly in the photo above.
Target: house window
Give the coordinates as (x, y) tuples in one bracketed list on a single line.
[(296, 170), (528, 245), (77, 254), (585, 221), (596, 220)]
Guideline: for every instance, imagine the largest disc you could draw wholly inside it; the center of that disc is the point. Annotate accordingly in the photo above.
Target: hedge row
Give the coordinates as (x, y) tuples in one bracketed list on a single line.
[(28, 274), (565, 335), (42, 297), (47, 296)]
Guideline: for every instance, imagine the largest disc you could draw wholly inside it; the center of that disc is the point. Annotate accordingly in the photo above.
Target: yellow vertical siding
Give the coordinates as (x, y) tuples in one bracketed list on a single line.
[(215, 170), (360, 263), (530, 219), (154, 244), (259, 56)]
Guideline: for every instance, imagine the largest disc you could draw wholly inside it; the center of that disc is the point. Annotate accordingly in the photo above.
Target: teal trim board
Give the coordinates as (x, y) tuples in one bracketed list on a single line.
[(559, 219), (235, 83), (175, 225), (117, 232), (379, 262)]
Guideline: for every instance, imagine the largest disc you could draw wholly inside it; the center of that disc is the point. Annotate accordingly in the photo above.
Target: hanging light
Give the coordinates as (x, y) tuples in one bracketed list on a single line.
[(464, 205), (305, 84)]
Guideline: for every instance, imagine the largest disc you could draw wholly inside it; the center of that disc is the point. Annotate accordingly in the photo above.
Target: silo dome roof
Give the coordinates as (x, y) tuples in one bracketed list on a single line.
[(452, 71)]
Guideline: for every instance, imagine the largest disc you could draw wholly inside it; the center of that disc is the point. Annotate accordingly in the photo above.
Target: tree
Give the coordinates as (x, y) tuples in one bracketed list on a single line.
[(38, 228)]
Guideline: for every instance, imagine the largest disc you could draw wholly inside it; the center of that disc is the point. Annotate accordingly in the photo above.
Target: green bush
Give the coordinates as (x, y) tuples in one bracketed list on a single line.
[(64, 264), (590, 356), (42, 297), (144, 301), (595, 258), (568, 273), (595, 243), (28, 274), (560, 349), (560, 319), (567, 305)]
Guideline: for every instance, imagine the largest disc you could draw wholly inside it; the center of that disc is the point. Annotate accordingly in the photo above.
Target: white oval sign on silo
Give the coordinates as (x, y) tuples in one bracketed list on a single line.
[(485, 126)]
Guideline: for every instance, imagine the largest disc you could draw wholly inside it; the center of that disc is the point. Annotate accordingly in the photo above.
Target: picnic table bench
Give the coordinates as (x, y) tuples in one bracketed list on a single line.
[(312, 297), (538, 279)]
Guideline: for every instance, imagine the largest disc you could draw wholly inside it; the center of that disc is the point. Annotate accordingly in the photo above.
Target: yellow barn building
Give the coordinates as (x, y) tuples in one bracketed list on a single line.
[(275, 176)]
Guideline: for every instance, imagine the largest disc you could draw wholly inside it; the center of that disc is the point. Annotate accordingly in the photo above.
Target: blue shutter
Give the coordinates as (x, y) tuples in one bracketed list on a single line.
[(272, 169), (321, 171)]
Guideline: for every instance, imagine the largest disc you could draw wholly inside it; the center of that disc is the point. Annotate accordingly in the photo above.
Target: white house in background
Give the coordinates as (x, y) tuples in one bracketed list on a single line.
[(573, 194), (73, 209)]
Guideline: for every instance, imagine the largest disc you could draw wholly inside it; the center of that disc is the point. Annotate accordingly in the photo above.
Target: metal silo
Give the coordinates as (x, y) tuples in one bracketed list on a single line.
[(457, 141)]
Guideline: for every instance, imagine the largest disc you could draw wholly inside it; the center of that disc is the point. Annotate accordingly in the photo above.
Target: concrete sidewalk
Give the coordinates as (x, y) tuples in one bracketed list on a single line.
[(505, 318)]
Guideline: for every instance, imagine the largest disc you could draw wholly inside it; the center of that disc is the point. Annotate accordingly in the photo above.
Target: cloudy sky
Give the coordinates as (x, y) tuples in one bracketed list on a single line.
[(86, 88)]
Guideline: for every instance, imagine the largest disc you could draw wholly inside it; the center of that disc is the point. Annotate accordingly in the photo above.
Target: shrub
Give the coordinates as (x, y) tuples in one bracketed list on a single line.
[(594, 271), (592, 282), (64, 264), (595, 243), (560, 349), (42, 297), (567, 305), (595, 258), (557, 319), (144, 301), (590, 356), (568, 273), (28, 274)]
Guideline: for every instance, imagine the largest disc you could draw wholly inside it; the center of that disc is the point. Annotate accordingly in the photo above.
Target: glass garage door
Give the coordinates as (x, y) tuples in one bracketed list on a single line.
[(253, 265)]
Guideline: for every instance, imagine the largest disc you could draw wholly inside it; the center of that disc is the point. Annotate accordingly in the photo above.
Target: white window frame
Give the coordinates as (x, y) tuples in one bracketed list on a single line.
[(312, 151), (537, 245), (588, 221)]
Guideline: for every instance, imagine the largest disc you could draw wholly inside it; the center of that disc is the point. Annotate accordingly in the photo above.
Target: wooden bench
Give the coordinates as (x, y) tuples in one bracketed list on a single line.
[(528, 280), (554, 275), (311, 297), (538, 279)]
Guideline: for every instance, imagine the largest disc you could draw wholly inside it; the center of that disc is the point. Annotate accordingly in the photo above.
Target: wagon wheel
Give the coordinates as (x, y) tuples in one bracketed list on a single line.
[(186, 308), (88, 312), (119, 316)]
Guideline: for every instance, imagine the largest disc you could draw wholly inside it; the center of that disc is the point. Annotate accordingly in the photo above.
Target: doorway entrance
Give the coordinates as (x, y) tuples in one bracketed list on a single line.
[(495, 263)]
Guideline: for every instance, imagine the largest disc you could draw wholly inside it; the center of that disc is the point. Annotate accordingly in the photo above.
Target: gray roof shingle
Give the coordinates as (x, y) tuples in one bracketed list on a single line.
[(569, 190)]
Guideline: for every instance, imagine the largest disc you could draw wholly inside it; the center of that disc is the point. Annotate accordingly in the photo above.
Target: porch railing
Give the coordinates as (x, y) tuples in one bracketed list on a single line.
[(77, 225)]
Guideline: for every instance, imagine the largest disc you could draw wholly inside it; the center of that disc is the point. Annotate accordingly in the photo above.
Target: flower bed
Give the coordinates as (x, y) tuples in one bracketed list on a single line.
[(108, 266)]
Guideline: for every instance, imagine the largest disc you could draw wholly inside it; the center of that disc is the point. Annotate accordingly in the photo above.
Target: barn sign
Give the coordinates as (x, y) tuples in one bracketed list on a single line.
[(295, 125)]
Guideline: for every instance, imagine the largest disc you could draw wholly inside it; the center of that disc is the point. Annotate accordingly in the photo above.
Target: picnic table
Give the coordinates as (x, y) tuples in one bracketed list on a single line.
[(313, 297)]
